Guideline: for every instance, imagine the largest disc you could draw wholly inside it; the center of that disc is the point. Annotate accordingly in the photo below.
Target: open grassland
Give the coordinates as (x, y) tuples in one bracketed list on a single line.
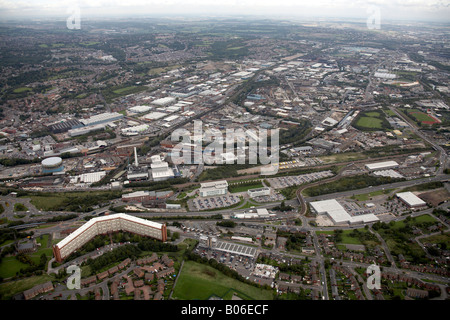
[(199, 282)]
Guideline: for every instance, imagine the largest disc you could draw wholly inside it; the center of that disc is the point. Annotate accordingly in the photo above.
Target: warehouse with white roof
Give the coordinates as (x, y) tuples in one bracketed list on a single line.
[(336, 212), (411, 200), (382, 165)]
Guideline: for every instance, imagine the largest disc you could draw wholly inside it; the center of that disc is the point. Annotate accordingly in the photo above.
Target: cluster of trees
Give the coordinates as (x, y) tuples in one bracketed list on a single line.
[(83, 201), (401, 239), (296, 134), (226, 223), (223, 171), (295, 241), (116, 255), (33, 267), (153, 245), (62, 218), (283, 207), (11, 162), (350, 183)]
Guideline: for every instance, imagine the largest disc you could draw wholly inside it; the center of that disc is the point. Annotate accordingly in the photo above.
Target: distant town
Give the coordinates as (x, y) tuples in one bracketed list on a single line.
[(91, 175)]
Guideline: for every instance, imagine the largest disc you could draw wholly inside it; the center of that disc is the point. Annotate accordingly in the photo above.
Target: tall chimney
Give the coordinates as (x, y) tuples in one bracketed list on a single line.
[(135, 158)]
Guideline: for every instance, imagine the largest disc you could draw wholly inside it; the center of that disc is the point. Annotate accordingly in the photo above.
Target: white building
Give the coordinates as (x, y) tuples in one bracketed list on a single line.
[(140, 109), (382, 165), (104, 225), (102, 118), (336, 212), (160, 169), (252, 193), (214, 188), (411, 200), (164, 101)]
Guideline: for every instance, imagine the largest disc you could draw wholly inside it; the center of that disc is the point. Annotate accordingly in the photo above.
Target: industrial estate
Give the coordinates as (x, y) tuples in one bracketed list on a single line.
[(98, 162)]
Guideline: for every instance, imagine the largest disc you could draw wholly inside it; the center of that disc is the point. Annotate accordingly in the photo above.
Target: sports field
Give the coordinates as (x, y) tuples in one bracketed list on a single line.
[(369, 122), (200, 282)]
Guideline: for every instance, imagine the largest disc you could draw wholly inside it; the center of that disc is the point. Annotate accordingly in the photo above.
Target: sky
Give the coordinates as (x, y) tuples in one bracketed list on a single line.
[(409, 10)]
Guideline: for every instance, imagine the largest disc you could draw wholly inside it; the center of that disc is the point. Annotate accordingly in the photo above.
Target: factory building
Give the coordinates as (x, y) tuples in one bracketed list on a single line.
[(102, 118), (135, 172), (160, 169), (104, 225), (164, 101), (65, 126)]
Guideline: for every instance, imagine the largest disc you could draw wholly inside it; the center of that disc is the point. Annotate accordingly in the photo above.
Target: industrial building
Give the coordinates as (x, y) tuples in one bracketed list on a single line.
[(164, 101), (382, 165), (104, 225), (146, 197), (87, 129), (135, 172), (102, 118), (336, 212), (135, 130), (253, 214), (214, 188), (160, 169), (64, 126), (140, 109), (411, 200)]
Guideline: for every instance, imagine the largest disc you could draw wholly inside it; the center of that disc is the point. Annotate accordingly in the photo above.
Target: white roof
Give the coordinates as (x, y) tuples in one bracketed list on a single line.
[(380, 165), (91, 222), (410, 198), (92, 176), (164, 101), (154, 115), (53, 161), (214, 184), (135, 194), (140, 108), (101, 117), (338, 213)]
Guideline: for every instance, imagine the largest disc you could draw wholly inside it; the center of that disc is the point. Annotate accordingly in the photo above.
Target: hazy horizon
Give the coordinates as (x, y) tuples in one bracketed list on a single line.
[(396, 10)]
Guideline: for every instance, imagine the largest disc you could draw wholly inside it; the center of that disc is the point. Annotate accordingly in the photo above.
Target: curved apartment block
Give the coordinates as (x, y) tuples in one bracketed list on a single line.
[(104, 225)]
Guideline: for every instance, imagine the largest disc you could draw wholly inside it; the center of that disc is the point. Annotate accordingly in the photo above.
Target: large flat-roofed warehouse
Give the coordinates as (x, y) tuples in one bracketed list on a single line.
[(411, 200), (382, 165), (213, 188), (104, 225), (336, 212)]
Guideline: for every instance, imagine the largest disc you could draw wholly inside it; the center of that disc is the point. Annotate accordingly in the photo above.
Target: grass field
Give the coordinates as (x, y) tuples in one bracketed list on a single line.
[(122, 91), (10, 265), (234, 188), (439, 238), (346, 238), (343, 157), (369, 122), (9, 289), (421, 117), (46, 203), (199, 282), (367, 196), (22, 89), (20, 207)]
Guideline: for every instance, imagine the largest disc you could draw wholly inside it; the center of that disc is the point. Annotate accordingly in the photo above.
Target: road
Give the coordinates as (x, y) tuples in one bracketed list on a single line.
[(443, 158)]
